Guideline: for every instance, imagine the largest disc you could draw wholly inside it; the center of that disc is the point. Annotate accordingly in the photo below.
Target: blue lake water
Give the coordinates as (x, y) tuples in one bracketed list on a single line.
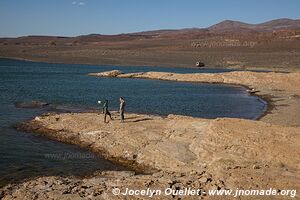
[(67, 87)]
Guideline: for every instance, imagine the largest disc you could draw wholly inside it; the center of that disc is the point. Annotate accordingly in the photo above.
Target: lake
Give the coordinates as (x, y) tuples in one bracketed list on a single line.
[(67, 88)]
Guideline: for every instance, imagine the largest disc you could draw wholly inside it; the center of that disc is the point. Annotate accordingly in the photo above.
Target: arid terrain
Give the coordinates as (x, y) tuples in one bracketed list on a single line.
[(178, 152), (181, 152), (274, 44)]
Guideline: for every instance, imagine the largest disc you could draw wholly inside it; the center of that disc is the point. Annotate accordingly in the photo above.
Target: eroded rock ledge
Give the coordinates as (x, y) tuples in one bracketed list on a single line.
[(190, 152)]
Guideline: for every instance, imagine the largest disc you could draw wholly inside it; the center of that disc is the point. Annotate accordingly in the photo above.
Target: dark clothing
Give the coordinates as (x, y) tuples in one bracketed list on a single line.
[(122, 115), (105, 111)]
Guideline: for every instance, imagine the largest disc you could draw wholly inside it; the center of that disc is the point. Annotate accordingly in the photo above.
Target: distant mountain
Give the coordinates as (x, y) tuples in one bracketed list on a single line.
[(224, 27), (229, 25), (279, 24), (233, 26)]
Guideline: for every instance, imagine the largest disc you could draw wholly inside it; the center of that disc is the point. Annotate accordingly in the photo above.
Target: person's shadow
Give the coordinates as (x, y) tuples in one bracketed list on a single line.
[(143, 119)]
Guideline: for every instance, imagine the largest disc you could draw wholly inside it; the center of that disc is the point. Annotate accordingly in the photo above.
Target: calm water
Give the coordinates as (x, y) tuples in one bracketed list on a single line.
[(67, 87)]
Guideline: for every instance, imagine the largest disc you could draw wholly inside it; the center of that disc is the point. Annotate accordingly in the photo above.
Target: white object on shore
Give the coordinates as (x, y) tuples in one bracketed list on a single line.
[(252, 91), (99, 102)]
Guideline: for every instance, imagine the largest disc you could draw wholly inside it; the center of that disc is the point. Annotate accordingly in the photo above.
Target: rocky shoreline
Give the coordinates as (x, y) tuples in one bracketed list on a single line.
[(178, 151), (280, 90)]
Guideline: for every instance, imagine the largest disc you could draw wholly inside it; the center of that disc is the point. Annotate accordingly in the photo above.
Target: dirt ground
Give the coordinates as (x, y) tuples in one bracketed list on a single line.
[(276, 53)]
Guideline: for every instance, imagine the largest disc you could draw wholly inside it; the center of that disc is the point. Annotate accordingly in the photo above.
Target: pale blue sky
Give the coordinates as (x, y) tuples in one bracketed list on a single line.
[(77, 17)]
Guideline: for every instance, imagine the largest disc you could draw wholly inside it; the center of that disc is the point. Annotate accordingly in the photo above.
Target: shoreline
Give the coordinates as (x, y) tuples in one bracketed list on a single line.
[(124, 163), (184, 66), (48, 133), (109, 65), (274, 85), (269, 106), (265, 150), (267, 160)]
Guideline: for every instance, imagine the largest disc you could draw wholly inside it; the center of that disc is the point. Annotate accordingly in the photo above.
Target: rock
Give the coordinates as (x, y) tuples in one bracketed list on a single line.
[(203, 179), (31, 104), (113, 73), (256, 167)]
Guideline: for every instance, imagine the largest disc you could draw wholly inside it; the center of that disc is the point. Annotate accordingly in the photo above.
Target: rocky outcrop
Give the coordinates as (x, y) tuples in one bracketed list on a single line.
[(185, 151), (106, 185), (113, 73)]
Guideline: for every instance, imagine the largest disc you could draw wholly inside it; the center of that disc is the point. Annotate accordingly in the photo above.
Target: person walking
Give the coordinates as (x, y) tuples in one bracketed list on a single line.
[(105, 111), (122, 108)]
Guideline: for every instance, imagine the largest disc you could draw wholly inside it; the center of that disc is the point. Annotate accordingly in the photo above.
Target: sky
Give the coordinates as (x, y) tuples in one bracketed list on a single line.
[(80, 17)]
